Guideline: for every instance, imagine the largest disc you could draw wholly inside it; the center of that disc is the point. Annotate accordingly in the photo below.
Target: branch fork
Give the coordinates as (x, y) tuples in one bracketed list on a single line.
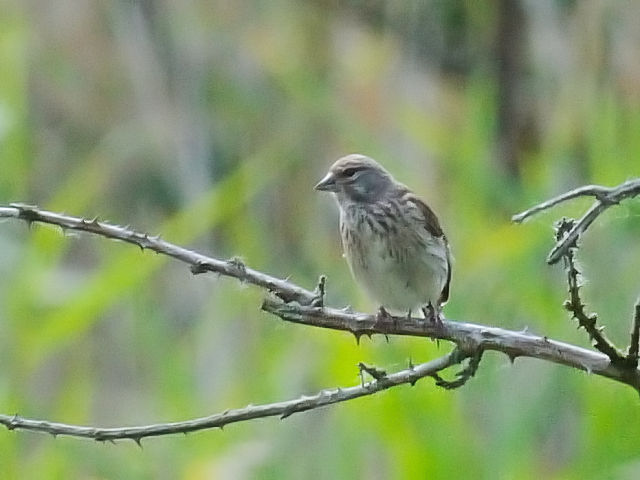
[(568, 233)]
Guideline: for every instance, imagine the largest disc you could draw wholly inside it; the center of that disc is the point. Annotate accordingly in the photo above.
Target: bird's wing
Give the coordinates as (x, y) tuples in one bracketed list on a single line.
[(432, 225), (444, 296)]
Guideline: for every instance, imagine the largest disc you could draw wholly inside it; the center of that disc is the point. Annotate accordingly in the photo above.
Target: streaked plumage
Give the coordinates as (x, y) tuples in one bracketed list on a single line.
[(393, 241)]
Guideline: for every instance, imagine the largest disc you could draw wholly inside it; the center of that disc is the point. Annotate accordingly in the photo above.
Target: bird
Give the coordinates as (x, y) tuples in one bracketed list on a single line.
[(393, 242)]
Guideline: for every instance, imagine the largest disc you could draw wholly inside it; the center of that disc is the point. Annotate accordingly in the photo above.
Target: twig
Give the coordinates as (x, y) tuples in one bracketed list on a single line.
[(596, 191), (463, 375), (199, 263), (282, 409), (375, 372), (468, 336), (575, 305), (605, 197)]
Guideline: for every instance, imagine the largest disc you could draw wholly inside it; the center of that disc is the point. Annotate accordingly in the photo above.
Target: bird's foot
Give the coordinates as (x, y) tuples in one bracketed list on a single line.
[(318, 300), (383, 315), (433, 315)]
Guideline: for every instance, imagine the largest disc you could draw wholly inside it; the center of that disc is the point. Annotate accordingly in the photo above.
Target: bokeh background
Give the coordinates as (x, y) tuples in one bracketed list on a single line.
[(209, 122)]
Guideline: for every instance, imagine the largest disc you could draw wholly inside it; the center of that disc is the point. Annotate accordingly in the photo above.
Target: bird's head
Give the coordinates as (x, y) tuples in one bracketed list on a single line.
[(356, 178)]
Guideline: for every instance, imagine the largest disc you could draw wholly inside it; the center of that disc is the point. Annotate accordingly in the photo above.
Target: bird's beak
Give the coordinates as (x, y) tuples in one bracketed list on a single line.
[(327, 184)]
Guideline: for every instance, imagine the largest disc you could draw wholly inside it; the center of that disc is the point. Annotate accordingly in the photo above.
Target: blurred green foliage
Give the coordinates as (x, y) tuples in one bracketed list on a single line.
[(209, 123)]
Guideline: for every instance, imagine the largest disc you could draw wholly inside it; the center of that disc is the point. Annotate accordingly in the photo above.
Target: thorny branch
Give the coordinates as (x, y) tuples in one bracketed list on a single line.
[(282, 409), (605, 198), (575, 305), (298, 305), (568, 232), (469, 337), (199, 263)]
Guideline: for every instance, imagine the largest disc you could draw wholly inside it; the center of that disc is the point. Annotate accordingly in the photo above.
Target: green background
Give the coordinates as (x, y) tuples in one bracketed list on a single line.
[(209, 122)]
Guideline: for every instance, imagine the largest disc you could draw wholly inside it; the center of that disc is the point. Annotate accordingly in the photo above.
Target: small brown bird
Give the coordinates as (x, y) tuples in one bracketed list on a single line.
[(391, 239)]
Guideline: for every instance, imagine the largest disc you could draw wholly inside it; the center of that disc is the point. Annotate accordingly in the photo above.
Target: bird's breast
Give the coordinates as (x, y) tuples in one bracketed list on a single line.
[(399, 265)]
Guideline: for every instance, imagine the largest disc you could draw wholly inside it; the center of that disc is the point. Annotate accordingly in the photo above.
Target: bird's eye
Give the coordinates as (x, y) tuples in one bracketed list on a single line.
[(349, 172)]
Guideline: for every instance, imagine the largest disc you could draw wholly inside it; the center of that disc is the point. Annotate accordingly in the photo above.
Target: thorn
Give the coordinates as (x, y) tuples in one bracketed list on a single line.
[(375, 372), (383, 316), (357, 335), (238, 265), (198, 268), (512, 357), (138, 441), (386, 337), (14, 421)]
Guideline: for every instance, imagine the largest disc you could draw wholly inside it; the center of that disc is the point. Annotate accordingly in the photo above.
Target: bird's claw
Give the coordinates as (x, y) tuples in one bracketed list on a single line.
[(383, 315), (433, 315)]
